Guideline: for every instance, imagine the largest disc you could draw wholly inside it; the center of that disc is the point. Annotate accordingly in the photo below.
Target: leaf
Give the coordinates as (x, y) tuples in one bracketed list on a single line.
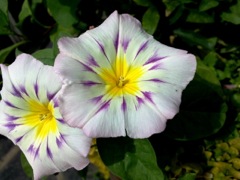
[(6, 51), (171, 5), (26, 166), (25, 11), (150, 20), (145, 3), (4, 21), (129, 158), (193, 38), (210, 59), (59, 32), (234, 15), (202, 111), (64, 12), (208, 4), (188, 176), (199, 17), (46, 56)]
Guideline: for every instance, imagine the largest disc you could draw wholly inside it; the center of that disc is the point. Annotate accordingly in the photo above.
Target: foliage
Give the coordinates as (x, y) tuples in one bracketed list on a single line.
[(203, 139)]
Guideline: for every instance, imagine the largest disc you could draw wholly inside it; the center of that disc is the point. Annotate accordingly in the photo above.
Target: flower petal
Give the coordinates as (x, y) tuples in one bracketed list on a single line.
[(95, 112), (118, 75), (142, 118), (30, 117)]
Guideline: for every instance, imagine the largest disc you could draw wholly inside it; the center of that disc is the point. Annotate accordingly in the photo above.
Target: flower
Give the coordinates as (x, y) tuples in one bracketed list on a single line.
[(119, 81), (30, 117)]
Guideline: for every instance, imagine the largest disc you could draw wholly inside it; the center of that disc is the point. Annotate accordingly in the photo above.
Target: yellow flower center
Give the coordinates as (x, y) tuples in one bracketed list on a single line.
[(41, 118), (122, 78)]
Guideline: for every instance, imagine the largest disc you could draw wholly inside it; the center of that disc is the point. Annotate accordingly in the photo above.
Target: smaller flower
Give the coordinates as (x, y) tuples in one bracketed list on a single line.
[(120, 81), (30, 117)]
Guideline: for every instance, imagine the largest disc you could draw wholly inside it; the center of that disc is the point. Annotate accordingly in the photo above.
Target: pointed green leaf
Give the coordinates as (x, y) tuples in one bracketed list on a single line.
[(234, 15), (4, 21), (199, 17), (150, 20), (5, 52), (64, 12), (130, 158), (193, 38), (46, 56), (145, 3), (208, 4), (26, 166), (25, 11)]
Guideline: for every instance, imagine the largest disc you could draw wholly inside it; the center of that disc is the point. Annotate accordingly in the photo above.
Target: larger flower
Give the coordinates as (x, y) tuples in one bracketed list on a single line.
[(29, 116), (119, 80)]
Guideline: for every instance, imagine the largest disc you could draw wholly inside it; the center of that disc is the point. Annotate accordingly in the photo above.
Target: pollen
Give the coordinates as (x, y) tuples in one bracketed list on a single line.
[(122, 78), (41, 118)]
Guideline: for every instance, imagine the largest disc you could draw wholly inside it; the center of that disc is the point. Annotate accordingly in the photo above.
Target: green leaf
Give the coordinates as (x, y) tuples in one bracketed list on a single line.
[(5, 52), (25, 11), (59, 32), (202, 111), (193, 38), (150, 20), (129, 158), (188, 176), (171, 5), (46, 56), (199, 17), (145, 3), (210, 59), (4, 21), (234, 15), (26, 166), (208, 4), (64, 12)]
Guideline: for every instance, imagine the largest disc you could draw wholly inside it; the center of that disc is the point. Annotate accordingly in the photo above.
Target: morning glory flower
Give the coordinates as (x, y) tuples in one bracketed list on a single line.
[(30, 117), (119, 81)]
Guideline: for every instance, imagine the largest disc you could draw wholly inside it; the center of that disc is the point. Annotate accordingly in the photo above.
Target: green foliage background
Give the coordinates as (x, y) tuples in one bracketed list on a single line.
[(203, 140)]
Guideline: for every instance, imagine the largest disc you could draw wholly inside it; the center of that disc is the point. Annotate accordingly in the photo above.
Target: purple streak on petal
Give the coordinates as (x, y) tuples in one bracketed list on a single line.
[(11, 126), (61, 120), (140, 102), (36, 88), (59, 142), (125, 44), (104, 106), (11, 118), (156, 80), (37, 152), (87, 68), (50, 96), (18, 139), (148, 95), (96, 99), (155, 67), (31, 149), (92, 62), (142, 47), (124, 105), (90, 83), (10, 104), (153, 59), (55, 102), (23, 90), (16, 92), (49, 153), (116, 42)]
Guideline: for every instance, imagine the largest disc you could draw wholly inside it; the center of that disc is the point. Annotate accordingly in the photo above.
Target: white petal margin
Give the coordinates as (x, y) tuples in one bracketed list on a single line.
[(167, 72), (27, 80)]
